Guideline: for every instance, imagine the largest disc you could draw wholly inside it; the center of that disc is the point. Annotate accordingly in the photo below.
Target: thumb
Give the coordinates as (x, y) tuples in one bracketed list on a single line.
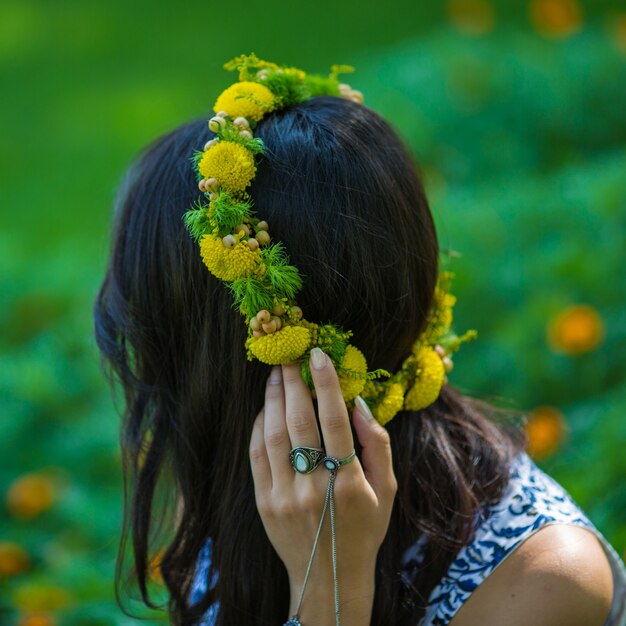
[(376, 450)]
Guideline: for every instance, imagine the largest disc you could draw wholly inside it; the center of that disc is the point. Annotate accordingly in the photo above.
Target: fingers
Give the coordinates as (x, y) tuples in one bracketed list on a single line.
[(275, 430), (259, 461), (375, 451), (300, 412), (331, 406)]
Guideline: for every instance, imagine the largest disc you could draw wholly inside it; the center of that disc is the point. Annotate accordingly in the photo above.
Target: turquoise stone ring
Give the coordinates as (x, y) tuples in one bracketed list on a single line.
[(304, 460)]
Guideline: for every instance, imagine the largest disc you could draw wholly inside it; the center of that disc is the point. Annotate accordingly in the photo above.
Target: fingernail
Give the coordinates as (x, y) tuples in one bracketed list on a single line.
[(363, 407), (276, 375), (318, 358)]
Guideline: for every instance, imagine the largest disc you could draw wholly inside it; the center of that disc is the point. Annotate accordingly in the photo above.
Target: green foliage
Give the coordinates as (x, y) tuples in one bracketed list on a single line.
[(229, 211), (195, 160), (285, 279), (230, 132), (250, 295), (196, 221), (321, 86)]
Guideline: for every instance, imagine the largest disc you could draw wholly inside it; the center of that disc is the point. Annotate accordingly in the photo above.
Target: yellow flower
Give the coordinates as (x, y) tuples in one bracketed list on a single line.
[(228, 263), (230, 163), (575, 330), (30, 495), (546, 431), (283, 346), (245, 99), (13, 559), (428, 380), (391, 403), (353, 359)]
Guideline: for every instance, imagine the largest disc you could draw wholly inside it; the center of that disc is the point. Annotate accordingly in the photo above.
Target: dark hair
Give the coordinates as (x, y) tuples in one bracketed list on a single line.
[(340, 189)]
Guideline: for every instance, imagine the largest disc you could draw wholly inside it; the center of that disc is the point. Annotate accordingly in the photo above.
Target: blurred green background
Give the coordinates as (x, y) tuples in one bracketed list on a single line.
[(516, 113)]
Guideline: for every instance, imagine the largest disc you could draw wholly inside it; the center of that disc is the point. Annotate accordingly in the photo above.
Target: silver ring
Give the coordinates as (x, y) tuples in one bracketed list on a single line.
[(304, 460), (332, 463)]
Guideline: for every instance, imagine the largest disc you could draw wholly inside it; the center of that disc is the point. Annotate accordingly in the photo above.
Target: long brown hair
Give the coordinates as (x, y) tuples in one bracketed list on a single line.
[(340, 189)]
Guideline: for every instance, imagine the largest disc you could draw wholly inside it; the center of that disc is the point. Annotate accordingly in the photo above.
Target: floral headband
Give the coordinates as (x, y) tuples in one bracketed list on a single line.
[(237, 248)]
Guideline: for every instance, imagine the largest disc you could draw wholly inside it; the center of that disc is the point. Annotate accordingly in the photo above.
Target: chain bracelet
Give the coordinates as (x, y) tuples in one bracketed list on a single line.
[(294, 620)]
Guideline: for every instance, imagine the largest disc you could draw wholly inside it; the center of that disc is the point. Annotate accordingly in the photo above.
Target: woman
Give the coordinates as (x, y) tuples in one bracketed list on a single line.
[(441, 518)]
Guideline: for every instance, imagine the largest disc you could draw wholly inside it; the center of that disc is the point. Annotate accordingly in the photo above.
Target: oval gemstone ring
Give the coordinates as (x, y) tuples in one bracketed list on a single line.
[(304, 460)]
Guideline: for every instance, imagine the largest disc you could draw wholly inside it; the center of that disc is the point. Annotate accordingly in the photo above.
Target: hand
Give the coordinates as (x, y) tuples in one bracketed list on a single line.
[(290, 504)]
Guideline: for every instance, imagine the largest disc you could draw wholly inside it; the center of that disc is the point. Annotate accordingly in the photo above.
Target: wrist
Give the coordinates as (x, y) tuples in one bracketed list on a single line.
[(356, 597)]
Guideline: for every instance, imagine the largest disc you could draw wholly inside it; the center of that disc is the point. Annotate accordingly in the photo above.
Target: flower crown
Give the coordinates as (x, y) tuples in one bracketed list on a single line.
[(236, 248)]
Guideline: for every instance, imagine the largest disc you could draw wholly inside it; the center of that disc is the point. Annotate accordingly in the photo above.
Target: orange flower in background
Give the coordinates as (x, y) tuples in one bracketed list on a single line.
[(30, 495), (472, 17), (575, 330), (546, 430), (37, 619), (556, 18), (13, 559)]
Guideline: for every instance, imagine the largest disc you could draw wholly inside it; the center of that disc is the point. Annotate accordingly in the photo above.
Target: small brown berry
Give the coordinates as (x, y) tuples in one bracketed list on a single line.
[(448, 364), (270, 327), (296, 312), (277, 321), (210, 144), (222, 114), (258, 333), (211, 184), (263, 316), (241, 121), (262, 225), (253, 244), (279, 310), (217, 122), (229, 241), (262, 237), (255, 324), (245, 134), (202, 186), (243, 227)]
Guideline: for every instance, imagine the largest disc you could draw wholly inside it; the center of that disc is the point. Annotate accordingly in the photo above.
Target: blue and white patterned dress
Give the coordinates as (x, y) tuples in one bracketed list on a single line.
[(531, 501)]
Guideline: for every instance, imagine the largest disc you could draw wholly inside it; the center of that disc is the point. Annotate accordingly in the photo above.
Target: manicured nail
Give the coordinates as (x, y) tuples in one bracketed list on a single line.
[(318, 358), (363, 407), (276, 375)]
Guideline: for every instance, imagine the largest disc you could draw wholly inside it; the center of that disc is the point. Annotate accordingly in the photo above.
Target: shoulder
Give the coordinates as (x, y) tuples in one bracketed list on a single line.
[(559, 575)]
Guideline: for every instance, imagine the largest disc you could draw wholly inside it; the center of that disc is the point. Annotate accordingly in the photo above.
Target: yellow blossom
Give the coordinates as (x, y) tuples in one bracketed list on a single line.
[(390, 404), (230, 163), (283, 346), (577, 329), (546, 431), (229, 263), (30, 495), (246, 99), (428, 380), (353, 359)]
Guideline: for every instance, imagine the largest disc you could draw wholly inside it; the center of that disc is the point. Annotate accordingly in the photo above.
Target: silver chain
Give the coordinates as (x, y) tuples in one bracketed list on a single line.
[(329, 498)]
